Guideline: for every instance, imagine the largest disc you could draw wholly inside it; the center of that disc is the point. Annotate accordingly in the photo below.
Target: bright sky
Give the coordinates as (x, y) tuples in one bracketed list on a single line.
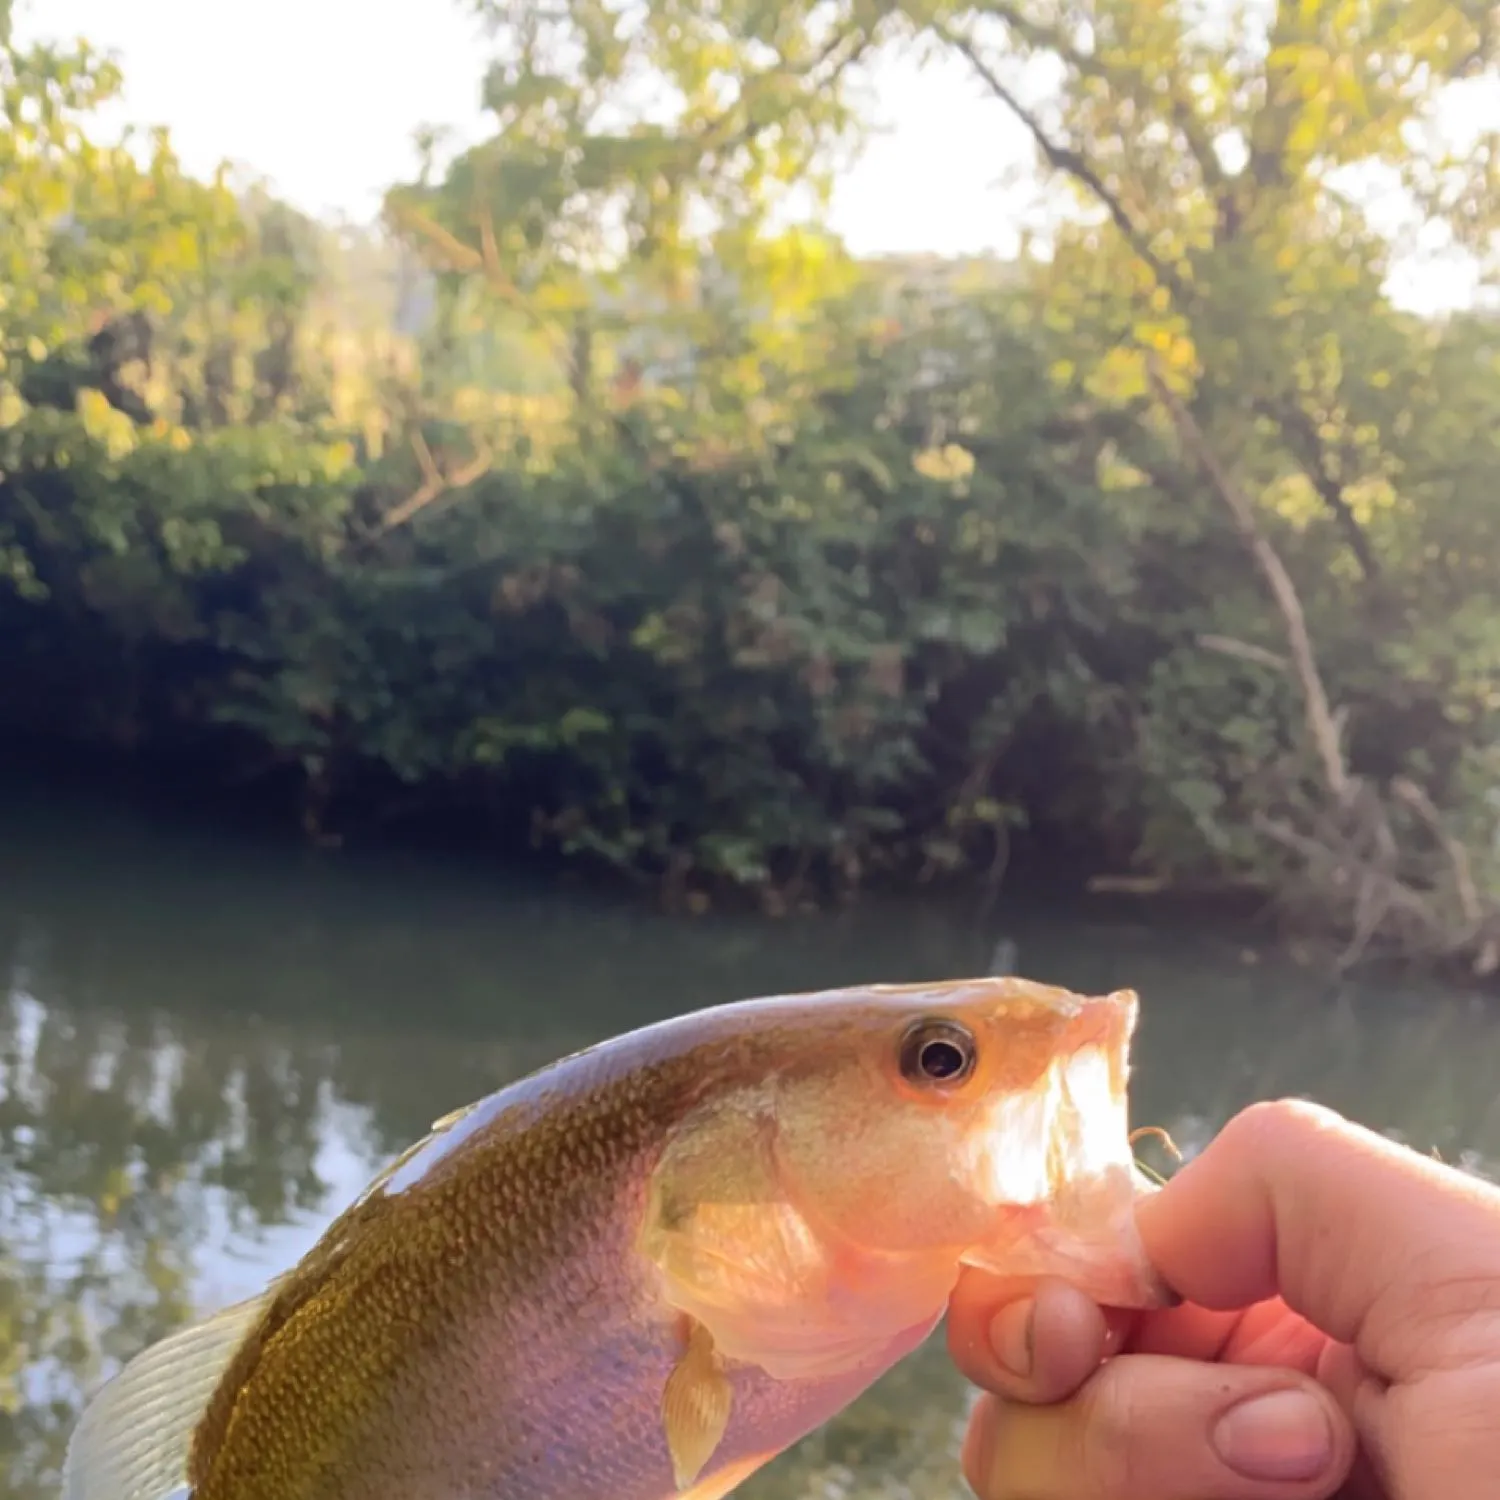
[(252, 83)]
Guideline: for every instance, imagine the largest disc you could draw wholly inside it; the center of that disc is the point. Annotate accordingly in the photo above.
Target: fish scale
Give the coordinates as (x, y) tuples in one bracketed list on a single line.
[(512, 1220)]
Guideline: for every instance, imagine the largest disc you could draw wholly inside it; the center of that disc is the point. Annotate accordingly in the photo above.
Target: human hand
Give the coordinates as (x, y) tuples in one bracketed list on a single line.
[(1340, 1336)]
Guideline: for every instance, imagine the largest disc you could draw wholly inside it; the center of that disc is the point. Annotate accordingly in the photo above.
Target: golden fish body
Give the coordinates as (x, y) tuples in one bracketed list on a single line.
[(643, 1271)]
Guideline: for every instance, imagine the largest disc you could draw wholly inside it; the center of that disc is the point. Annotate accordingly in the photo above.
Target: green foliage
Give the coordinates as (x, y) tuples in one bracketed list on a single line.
[(598, 500)]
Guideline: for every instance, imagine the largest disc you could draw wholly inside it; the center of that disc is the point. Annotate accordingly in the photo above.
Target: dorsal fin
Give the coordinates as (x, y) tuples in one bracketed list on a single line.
[(134, 1438)]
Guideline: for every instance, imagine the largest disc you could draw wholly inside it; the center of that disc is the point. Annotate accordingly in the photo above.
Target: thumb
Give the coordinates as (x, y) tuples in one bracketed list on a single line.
[(1374, 1245), (1146, 1427)]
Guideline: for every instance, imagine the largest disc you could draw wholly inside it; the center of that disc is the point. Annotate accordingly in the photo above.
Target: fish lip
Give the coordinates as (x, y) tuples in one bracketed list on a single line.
[(1105, 1258), (1108, 1021), (1081, 1225)]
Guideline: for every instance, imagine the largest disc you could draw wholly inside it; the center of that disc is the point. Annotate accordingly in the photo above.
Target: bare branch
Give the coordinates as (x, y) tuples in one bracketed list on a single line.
[(1458, 857), (1226, 645), (1065, 159), (425, 460), (1346, 869), (434, 485), (1320, 720)]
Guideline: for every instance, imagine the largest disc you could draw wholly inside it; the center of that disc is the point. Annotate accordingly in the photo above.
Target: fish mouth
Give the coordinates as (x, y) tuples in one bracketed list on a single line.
[(1056, 1162)]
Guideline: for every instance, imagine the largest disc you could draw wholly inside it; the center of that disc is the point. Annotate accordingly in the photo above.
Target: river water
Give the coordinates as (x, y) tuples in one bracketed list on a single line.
[(209, 1041)]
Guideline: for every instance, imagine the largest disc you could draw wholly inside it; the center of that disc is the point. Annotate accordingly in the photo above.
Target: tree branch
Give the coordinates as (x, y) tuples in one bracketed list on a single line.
[(1064, 159), (1226, 645), (434, 484), (713, 136), (1301, 437), (1320, 718), (1358, 852), (1089, 66), (1458, 857), (1293, 425)]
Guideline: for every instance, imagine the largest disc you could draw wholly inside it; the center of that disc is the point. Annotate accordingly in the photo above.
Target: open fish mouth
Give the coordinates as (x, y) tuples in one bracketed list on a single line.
[(1057, 1162)]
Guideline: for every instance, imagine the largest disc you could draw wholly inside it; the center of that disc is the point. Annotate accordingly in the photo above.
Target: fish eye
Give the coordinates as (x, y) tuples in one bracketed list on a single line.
[(937, 1053)]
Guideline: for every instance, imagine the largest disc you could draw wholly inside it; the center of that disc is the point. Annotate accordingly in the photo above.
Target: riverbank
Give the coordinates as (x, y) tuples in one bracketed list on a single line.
[(747, 569), (125, 801)]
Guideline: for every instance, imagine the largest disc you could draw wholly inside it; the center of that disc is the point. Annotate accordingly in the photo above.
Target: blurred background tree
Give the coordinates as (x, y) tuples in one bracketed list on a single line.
[(602, 500)]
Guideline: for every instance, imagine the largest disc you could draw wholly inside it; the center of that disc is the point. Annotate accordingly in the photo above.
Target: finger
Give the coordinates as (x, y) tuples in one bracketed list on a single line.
[(1150, 1428), (1034, 1342), (1270, 1333), (1362, 1237), (1187, 1331)]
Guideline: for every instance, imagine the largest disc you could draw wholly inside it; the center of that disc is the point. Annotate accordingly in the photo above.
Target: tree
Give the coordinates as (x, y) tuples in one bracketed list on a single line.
[(1221, 162), (634, 514)]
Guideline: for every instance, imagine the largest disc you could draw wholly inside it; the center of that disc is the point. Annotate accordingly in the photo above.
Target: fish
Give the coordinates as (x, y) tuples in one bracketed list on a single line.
[(646, 1269)]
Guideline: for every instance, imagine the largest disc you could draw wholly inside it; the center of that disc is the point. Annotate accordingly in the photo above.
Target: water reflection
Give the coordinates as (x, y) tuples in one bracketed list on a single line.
[(206, 1048)]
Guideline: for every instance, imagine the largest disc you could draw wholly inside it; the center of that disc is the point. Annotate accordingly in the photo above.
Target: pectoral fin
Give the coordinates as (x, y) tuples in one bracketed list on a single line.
[(695, 1406), (729, 1478), (134, 1438)]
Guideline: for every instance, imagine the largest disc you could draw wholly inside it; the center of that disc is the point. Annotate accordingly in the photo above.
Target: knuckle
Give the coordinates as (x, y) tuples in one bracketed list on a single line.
[(1106, 1438), (1271, 1122), (1017, 1452), (1098, 1444)]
